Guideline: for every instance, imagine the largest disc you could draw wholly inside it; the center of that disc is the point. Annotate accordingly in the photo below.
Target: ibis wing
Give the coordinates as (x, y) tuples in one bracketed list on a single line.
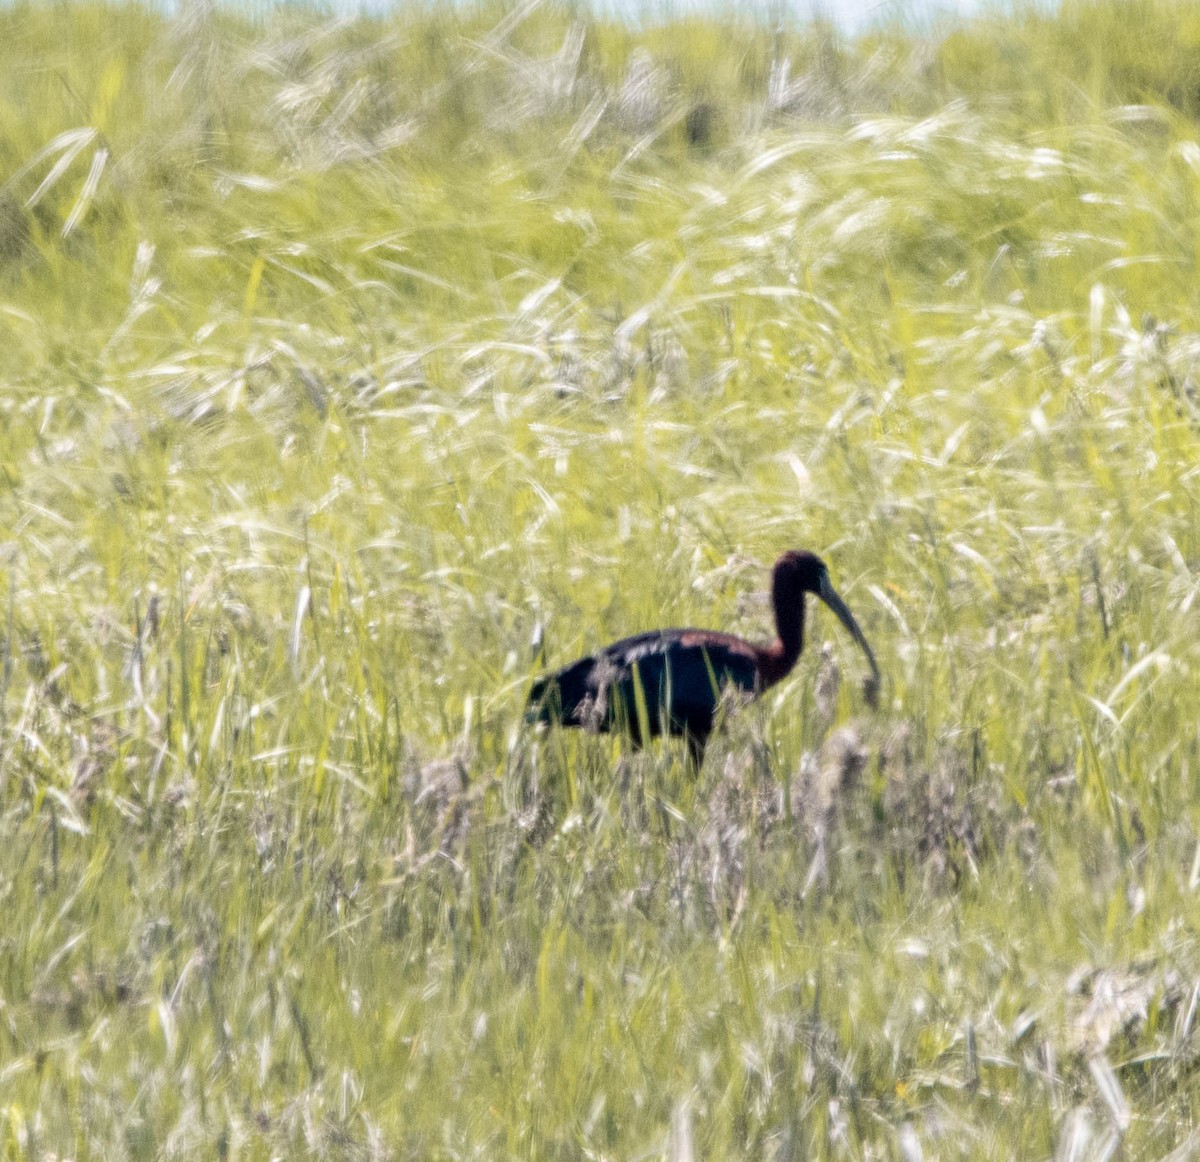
[(652, 683), (680, 672)]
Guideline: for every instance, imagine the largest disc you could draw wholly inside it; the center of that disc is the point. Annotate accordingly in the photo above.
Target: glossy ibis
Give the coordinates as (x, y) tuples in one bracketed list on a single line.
[(670, 681)]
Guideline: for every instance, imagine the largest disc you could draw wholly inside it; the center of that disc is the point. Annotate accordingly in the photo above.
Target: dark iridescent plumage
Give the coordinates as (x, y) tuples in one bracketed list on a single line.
[(671, 681)]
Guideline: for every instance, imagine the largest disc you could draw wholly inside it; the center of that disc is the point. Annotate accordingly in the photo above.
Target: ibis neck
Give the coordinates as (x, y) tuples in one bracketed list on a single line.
[(780, 656)]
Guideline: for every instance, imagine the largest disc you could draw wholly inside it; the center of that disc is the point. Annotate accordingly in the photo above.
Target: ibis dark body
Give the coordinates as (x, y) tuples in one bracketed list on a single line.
[(671, 681)]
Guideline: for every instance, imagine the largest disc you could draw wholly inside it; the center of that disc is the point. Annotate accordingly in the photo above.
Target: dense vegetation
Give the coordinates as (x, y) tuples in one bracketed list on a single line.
[(339, 356)]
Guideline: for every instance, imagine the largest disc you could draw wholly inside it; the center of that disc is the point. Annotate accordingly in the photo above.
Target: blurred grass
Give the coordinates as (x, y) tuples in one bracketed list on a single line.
[(340, 354)]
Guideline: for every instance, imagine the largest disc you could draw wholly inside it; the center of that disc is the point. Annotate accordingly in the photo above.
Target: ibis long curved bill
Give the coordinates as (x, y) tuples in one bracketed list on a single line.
[(829, 595)]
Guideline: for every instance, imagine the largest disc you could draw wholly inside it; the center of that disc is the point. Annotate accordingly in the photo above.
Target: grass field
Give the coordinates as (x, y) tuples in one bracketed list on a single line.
[(337, 357)]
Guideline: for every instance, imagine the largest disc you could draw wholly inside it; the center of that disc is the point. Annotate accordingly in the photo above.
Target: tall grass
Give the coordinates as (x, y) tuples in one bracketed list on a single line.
[(343, 359)]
